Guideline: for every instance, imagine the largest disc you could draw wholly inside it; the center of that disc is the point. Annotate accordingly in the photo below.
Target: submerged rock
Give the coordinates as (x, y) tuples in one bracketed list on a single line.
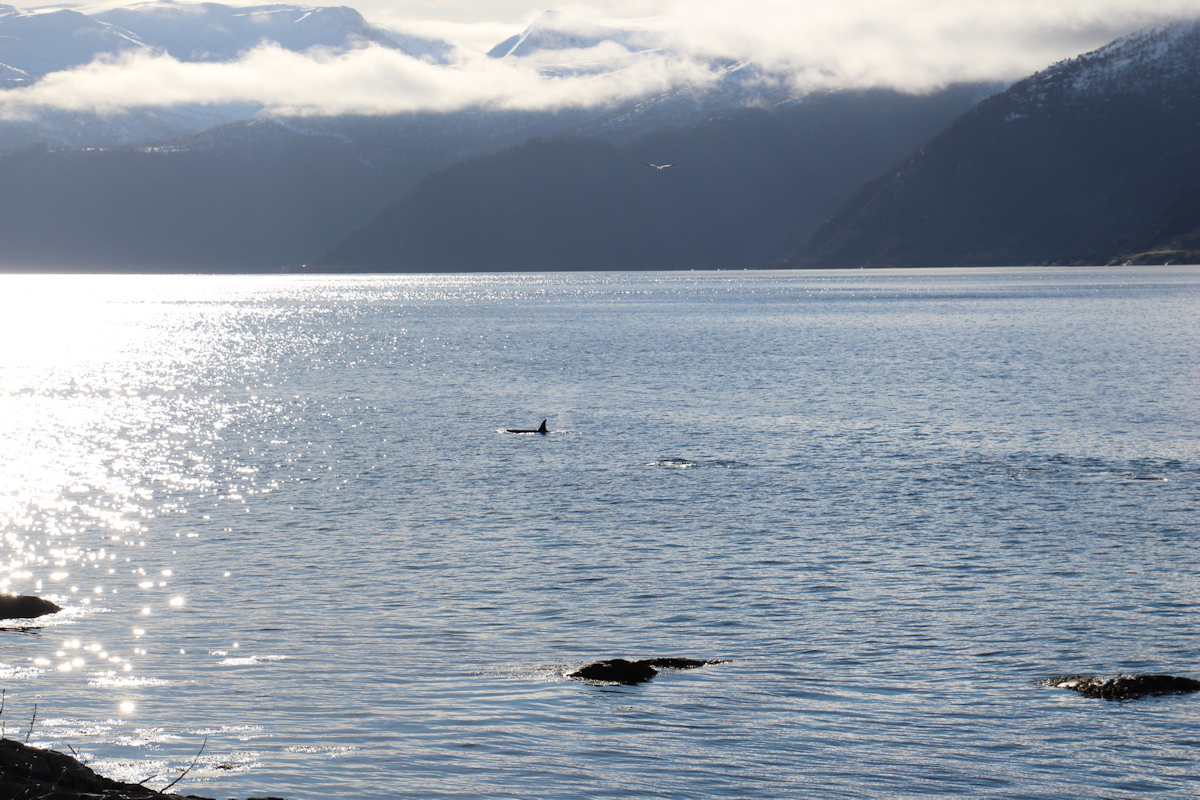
[(25, 607), (618, 670), (37, 774), (1124, 687)]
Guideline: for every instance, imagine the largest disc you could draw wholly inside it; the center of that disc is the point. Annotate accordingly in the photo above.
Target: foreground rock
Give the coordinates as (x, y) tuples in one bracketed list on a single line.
[(25, 607), (618, 670), (1124, 687), (35, 774)]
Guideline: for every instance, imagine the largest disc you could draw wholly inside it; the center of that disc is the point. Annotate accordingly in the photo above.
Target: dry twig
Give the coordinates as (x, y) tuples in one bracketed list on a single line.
[(189, 769), (29, 732)]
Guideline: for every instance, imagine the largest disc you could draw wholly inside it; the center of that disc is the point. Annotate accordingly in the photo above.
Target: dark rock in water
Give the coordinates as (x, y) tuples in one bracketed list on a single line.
[(618, 670), (30, 772), (25, 607), (1124, 687), (615, 670)]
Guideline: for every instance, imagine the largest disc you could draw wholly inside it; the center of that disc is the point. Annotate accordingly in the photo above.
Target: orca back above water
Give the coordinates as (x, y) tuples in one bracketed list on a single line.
[(542, 430)]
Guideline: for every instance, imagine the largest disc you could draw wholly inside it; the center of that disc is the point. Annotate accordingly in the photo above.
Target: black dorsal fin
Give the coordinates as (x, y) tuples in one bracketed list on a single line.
[(542, 429)]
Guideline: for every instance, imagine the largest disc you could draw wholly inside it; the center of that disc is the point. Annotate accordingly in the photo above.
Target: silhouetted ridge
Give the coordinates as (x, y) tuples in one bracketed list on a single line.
[(742, 189)]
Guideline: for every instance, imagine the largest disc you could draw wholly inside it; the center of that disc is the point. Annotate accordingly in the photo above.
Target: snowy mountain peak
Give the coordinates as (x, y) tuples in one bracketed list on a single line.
[(34, 44), (1154, 56), (37, 43), (557, 31), (217, 32)]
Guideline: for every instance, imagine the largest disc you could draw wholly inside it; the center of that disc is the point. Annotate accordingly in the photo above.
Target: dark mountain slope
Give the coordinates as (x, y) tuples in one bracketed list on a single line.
[(142, 209), (262, 195), (1096, 159), (243, 197), (740, 189)]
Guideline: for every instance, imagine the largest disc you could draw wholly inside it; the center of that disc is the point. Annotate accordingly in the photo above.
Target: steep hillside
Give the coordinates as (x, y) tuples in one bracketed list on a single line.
[(740, 188), (1094, 160)]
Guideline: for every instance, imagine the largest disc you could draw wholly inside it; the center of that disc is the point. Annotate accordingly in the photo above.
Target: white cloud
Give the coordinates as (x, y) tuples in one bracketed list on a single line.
[(367, 80), (908, 44)]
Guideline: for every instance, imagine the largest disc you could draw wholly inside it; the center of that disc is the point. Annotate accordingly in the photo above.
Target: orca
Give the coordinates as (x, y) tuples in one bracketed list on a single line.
[(542, 430)]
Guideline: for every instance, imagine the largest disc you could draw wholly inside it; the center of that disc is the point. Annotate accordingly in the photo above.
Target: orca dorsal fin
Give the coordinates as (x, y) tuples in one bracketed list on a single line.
[(542, 429)]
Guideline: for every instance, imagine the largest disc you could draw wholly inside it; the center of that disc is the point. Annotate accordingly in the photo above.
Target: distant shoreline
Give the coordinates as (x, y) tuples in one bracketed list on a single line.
[(1193, 261)]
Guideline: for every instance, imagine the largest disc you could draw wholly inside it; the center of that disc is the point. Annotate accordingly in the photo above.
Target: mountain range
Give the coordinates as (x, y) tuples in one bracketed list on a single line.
[(274, 192), (736, 190), (1094, 160), (35, 44)]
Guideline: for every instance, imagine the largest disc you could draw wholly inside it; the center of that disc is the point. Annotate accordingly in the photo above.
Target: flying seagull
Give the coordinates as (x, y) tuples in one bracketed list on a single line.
[(659, 167)]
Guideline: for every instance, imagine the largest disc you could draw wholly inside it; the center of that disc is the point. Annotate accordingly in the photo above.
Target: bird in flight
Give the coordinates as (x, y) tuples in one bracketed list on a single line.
[(659, 167)]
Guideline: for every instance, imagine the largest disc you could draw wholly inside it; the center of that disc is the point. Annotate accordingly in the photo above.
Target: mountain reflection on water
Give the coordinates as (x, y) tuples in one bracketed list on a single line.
[(282, 516)]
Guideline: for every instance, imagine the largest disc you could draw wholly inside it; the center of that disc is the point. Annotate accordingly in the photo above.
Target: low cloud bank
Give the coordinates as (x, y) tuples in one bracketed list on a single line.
[(912, 45), (366, 80)]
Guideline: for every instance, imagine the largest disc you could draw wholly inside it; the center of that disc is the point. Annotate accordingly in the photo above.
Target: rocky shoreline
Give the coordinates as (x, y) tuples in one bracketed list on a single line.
[(31, 773)]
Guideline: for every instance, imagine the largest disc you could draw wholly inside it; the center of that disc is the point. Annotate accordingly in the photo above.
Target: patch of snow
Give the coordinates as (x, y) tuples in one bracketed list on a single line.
[(1156, 56), (555, 41)]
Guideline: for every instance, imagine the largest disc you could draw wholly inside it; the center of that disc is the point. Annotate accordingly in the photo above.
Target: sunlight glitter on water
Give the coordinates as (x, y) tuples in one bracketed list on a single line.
[(830, 479), (103, 431)]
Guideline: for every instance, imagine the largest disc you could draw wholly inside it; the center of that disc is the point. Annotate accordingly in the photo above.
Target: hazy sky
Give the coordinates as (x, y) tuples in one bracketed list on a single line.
[(909, 44)]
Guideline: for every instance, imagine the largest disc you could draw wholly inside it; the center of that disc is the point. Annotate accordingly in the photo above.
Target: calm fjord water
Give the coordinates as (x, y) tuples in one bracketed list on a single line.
[(282, 516)]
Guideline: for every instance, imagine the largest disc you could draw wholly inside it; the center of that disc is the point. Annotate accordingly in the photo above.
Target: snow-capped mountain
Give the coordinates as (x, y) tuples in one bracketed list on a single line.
[(554, 31), (558, 44), (216, 32), (1095, 159), (35, 44), (1151, 59), (38, 43), (284, 189)]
